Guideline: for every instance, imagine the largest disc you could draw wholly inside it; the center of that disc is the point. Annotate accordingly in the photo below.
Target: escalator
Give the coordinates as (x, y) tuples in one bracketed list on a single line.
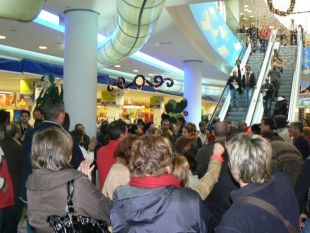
[(288, 54), (258, 63), (289, 82), (238, 114)]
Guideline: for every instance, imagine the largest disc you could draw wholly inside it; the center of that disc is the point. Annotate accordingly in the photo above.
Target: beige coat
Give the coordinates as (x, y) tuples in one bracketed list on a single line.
[(118, 175), (47, 193)]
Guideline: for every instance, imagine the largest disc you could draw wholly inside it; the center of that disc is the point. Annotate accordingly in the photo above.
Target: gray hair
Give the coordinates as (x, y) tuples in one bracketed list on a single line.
[(51, 149), (250, 158)]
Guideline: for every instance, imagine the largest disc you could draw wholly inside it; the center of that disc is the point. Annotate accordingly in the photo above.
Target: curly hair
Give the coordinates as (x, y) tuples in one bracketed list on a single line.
[(151, 155)]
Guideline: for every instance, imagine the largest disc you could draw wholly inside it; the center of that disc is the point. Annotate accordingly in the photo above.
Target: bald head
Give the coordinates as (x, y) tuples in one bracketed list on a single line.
[(220, 129)]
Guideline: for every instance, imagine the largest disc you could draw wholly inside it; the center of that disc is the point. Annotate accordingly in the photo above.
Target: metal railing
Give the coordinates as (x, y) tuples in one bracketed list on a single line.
[(292, 113), (261, 76), (224, 101)]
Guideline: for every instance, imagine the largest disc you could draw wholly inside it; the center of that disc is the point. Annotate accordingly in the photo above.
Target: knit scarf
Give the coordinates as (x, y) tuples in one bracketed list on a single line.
[(155, 181)]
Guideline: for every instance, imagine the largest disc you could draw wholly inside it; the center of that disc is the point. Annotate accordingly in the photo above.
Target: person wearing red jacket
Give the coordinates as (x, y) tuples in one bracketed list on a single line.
[(117, 131)]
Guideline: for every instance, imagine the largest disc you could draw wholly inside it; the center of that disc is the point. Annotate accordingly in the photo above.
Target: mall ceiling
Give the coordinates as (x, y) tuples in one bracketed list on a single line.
[(167, 43)]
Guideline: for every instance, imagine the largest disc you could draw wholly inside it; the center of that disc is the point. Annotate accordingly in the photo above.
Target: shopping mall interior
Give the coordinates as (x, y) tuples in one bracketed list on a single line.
[(194, 43)]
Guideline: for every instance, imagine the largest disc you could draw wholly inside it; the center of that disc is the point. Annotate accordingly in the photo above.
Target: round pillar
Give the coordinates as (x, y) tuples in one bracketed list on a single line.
[(192, 90), (80, 67)]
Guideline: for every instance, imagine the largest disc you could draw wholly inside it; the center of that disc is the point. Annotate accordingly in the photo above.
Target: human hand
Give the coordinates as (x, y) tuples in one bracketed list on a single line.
[(86, 168), (302, 219), (218, 149), (92, 144)]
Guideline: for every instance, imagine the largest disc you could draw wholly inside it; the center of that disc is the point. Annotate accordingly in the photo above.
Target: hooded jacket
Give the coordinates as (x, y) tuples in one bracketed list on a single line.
[(47, 195), (167, 209)]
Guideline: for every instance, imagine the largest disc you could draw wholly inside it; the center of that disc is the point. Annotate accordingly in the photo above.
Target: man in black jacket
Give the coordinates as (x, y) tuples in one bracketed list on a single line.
[(268, 92), (234, 83), (248, 84), (218, 201)]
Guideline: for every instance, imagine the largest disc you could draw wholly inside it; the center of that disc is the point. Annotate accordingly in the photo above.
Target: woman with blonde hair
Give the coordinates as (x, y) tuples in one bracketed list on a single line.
[(47, 186)]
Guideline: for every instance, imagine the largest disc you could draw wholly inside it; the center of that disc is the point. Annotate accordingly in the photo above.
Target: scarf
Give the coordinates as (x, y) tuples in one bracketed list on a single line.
[(155, 181)]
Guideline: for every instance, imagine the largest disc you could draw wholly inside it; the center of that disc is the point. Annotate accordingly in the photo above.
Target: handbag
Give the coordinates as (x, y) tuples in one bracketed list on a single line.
[(73, 222), (6, 195), (271, 209)]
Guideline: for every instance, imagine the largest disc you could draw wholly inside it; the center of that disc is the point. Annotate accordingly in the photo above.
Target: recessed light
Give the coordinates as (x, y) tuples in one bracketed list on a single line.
[(241, 13), (136, 71), (2, 37), (245, 5), (117, 66), (42, 47), (151, 74), (251, 16)]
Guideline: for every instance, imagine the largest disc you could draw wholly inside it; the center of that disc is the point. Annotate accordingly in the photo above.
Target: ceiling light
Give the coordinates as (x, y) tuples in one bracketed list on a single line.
[(136, 71), (241, 13), (2, 37), (245, 5), (251, 16), (117, 66), (249, 11), (151, 74), (42, 47)]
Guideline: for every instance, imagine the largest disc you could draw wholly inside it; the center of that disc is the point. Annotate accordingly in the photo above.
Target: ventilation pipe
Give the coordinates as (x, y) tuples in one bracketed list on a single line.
[(22, 10), (136, 21)]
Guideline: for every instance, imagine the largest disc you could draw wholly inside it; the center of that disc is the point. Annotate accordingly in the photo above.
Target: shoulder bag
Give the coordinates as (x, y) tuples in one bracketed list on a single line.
[(271, 209), (73, 222)]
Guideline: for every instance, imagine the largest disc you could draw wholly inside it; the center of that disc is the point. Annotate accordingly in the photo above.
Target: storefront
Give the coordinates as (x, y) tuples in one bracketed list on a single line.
[(18, 91)]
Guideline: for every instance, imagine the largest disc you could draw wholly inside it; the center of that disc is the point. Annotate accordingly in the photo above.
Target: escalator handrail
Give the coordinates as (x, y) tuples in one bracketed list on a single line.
[(259, 108), (261, 76), (296, 80), (224, 109)]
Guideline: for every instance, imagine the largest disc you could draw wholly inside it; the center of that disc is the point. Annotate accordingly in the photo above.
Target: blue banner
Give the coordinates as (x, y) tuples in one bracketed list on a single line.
[(216, 31)]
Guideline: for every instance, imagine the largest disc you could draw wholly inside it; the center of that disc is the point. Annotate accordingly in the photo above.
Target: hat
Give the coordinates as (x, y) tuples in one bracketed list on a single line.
[(280, 98), (280, 121)]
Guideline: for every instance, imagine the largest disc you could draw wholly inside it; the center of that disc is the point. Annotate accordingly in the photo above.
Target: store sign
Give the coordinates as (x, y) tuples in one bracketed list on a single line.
[(155, 101), (26, 87), (108, 98)]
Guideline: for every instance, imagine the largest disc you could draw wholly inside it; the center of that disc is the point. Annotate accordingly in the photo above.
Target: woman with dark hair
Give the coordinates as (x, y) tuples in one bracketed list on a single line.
[(187, 148), (155, 194)]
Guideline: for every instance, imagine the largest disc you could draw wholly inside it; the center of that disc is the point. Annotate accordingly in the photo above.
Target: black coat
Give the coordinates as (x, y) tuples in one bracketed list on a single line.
[(247, 218), (167, 209), (252, 81), (218, 201)]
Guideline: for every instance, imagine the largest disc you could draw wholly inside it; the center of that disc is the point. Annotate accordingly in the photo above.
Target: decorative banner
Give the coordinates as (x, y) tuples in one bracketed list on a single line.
[(215, 30), (139, 81)]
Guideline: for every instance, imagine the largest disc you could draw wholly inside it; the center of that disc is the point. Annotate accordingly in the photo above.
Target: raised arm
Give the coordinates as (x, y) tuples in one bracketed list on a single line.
[(207, 182)]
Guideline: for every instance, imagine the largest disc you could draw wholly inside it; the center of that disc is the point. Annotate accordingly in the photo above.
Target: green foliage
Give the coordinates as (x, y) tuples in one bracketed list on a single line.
[(49, 94), (174, 109)]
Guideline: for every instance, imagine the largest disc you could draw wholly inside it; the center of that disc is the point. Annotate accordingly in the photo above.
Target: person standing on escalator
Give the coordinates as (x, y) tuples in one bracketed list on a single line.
[(248, 84), (234, 83)]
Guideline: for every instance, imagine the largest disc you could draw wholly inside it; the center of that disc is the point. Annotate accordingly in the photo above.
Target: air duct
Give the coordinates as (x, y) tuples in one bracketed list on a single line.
[(25, 10), (135, 22)]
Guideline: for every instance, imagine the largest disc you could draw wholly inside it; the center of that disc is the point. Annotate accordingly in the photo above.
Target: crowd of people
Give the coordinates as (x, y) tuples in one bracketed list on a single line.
[(167, 178)]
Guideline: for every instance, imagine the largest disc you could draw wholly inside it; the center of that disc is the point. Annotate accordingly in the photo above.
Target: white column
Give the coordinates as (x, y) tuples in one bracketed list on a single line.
[(80, 68), (192, 90)]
